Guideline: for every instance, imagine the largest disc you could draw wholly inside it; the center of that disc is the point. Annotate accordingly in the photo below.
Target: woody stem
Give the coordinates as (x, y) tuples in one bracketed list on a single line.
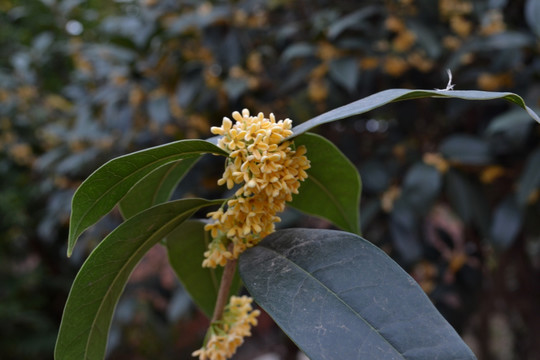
[(224, 288)]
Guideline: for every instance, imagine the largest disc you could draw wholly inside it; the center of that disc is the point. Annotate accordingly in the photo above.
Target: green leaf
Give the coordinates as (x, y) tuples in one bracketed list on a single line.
[(468, 200), (509, 120), (466, 149), (102, 190), (353, 20), (332, 189), (532, 13), (337, 296), (530, 178), (506, 224), (186, 246), (421, 186), (392, 95), (344, 71), (156, 187), (298, 50), (99, 283)]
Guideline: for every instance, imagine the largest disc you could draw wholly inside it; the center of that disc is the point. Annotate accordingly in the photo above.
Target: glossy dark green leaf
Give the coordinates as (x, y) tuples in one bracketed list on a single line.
[(468, 200), (532, 14), (235, 88), (352, 20), (506, 223), (466, 149), (101, 279), (102, 190), (530, 178), (508, 120), (186, 246), (344, 71), (155, 188), (387, 96), (332, 190), (404, 229), (337, 296), (420, 187), (298, 50)]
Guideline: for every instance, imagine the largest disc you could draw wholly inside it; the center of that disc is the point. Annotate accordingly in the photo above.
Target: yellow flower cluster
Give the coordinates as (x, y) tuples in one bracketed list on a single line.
[(267, 169), (229, 333)]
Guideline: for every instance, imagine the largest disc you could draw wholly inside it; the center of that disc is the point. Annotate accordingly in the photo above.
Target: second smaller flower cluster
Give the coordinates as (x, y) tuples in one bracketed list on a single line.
[(228, 334)]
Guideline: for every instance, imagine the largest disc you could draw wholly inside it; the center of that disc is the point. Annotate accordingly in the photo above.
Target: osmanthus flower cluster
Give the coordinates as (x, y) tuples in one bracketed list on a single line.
[(267, 169), (226, 335)]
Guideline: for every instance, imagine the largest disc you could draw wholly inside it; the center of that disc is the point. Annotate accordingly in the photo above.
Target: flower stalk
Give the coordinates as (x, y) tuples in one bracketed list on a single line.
[(224, 288)]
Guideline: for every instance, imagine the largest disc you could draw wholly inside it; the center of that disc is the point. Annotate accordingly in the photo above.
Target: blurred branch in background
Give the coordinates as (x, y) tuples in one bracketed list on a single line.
[(453, 187)]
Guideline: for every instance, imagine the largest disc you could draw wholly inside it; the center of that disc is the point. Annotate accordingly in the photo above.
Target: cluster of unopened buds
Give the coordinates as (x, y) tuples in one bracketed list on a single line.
[(267, 170)]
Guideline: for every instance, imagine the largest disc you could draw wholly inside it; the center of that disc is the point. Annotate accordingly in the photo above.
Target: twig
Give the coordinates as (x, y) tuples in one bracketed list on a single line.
[(224, 288), (449, 86)]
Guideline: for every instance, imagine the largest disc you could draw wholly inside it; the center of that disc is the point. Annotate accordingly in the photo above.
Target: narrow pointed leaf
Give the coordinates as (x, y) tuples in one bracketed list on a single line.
[(186, 246), (156, 187), (337, 296), (332, 189), (392, 95), (102, 190), (101, 280)]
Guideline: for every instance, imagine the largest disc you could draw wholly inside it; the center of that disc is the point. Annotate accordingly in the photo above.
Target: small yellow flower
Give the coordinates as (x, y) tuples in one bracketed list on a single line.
[(395, 66), (492, 173), (461, 26), (437, 161)]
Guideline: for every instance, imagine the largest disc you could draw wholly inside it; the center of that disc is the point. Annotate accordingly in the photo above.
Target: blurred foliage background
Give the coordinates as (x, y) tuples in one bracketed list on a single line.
[(451, 188)]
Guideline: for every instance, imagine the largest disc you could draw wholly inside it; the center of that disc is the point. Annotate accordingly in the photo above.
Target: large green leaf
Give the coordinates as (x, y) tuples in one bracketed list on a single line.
[(506, 224), (186, 246), (466, 149), (102, 190), (101, 279), (468, 200), (337, 296), (156, 187), (387, 96), (332, 190)]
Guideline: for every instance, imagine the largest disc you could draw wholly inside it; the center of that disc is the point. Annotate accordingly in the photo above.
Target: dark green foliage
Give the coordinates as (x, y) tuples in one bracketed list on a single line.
[(147, 73), (102, 278), (339, 297)]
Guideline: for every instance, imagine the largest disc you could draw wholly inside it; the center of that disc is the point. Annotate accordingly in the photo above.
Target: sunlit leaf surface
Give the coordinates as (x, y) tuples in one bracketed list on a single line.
[(156, 187), (101, 279), (102, 190)]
